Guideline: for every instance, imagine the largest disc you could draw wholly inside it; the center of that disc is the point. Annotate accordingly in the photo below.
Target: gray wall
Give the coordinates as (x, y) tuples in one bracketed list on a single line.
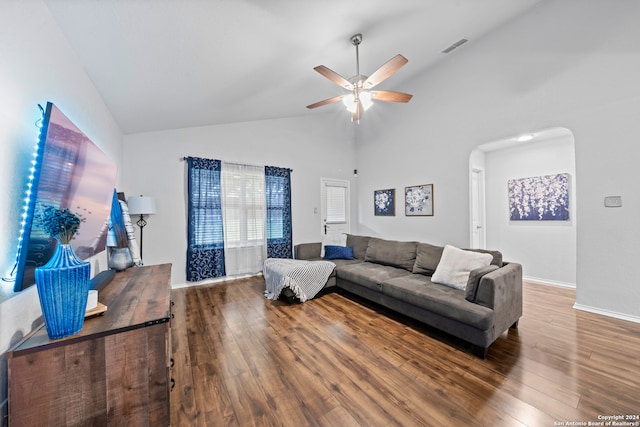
[(36, 65), (567, 63), (547, 249), (314, 146)]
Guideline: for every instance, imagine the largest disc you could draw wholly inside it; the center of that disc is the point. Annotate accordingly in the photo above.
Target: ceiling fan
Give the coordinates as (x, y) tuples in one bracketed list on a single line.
[(360, 96)]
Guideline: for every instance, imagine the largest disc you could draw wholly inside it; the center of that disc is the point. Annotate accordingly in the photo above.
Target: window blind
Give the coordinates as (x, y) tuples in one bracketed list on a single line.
[(336, 204)]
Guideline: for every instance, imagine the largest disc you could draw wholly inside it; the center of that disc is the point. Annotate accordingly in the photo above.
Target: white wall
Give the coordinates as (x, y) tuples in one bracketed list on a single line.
[(568, 63), (546, 249), (36, 65), (313, 146)]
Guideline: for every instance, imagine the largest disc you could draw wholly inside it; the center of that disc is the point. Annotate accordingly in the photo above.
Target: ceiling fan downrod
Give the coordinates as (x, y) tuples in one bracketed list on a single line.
[(357, 80), (356, 39)]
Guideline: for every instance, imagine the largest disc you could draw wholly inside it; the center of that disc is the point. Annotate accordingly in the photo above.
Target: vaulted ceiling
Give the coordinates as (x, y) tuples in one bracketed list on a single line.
[(167, 64)]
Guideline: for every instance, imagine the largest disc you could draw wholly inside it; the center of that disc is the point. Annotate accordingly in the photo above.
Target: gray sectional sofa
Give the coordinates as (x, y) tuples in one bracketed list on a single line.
[(398, 275)]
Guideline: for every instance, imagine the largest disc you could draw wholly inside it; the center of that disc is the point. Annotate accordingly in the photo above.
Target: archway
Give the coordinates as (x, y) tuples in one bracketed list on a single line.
[(546, 249)]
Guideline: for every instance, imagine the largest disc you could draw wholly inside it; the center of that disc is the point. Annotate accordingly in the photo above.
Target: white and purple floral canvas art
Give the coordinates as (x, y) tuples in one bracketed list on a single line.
[(384, 202), (539, 198), (418, 200)]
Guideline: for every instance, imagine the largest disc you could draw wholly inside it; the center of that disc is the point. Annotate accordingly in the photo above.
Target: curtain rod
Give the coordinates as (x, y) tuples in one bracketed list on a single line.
[(241, 164)]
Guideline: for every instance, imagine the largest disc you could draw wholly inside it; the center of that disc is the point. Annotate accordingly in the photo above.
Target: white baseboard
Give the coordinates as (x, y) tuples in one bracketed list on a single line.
[(607, 313), (212, 281), (582, 307), (548, 282)]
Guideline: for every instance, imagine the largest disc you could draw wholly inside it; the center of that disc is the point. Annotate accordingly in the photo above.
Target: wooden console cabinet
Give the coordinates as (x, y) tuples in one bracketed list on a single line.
[(115, 371)]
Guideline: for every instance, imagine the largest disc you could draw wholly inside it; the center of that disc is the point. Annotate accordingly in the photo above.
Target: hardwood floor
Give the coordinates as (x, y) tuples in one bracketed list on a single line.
[(244, 360)]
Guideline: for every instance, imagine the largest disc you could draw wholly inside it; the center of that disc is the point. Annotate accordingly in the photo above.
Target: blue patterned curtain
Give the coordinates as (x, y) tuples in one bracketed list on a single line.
[(205, 250), (278, 192)]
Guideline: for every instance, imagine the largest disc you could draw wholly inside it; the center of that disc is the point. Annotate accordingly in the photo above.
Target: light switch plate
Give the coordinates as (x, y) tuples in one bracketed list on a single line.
[(613, 201)]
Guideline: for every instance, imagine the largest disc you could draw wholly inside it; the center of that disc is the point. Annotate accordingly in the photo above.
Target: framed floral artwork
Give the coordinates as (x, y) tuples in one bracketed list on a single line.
[(539, 198), (384, 202), (418, 200)]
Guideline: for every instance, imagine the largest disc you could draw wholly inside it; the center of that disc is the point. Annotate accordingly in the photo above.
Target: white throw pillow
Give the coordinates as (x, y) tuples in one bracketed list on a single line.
[(456, 264), (333, 240)]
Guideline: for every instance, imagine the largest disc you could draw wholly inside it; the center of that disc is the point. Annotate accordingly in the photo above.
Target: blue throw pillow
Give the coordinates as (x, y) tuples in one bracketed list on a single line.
[(338, 252)]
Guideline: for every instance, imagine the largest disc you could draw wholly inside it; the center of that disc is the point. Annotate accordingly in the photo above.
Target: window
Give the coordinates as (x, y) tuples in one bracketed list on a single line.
[(205, 248), (278, 193), (243, 204), (206, 217), (336, 204), (238, 215)]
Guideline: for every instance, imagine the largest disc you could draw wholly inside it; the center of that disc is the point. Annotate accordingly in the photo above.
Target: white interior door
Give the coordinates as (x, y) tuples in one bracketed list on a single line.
[(335, 212), (477, 209)]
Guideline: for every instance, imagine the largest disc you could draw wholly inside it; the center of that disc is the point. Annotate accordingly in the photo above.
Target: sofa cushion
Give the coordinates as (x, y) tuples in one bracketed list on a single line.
[(338, 252), (474, 281), (497, 255), (456, 264), (307, 250), (359, 244), (339, 263), (334, 240), (391, 252), (369, 275), (427, 258), (445, 301)]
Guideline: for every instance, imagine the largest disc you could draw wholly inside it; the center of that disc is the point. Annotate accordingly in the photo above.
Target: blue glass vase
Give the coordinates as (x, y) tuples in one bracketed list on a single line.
[(63, 287)]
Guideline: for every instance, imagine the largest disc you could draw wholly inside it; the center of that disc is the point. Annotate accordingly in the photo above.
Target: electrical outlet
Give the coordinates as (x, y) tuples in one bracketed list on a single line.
[(613, 201)]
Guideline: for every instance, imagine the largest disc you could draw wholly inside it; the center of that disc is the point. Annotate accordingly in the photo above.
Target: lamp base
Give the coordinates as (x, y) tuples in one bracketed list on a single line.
[(141, 223)]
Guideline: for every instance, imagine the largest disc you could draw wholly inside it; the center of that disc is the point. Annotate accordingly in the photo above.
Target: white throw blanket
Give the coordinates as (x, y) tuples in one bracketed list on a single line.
[(304, 278)]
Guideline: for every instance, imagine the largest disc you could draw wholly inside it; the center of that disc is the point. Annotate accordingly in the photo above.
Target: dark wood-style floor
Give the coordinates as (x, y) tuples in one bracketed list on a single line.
[(244, 360)]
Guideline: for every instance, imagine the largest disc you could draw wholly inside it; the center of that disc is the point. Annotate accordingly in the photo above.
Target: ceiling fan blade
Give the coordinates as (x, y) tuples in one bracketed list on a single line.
[(385, 71), (390, 96), (326, 101), (334, 77)]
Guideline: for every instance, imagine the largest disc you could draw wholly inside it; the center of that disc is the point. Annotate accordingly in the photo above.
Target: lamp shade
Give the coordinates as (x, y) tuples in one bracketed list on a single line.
[(141, 205)]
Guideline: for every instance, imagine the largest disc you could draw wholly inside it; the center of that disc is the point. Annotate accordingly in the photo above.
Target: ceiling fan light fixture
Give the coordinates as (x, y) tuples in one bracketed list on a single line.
[(349, 101), (365, 100)]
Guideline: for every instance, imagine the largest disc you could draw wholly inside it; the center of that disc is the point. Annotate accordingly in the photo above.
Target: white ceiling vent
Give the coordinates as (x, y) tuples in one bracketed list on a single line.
[(455, 45)]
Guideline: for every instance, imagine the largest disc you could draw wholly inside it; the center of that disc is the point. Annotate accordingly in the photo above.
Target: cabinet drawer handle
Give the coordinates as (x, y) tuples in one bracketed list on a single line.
[(173, 362), (173, 383)]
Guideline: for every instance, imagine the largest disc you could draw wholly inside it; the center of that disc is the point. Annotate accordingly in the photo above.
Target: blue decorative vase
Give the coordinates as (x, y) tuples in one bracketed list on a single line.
[(63, 288)]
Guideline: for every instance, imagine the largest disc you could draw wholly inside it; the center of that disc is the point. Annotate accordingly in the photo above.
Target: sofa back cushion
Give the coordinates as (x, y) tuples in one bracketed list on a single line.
[(307, 250), (427, 258), (497, 256), (333, 240), (391, 252), (359, 244)]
